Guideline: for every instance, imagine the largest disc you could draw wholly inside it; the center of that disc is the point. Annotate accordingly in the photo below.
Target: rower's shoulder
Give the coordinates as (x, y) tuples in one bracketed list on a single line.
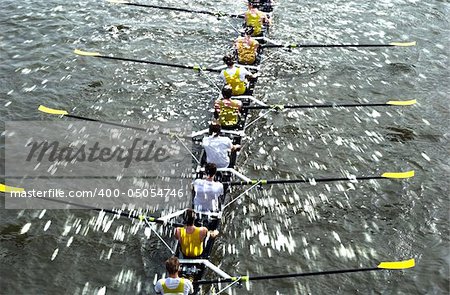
[(198, 181)]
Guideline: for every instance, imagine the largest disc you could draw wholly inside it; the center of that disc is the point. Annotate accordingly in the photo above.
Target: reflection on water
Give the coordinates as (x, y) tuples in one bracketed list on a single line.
[(291, 228)]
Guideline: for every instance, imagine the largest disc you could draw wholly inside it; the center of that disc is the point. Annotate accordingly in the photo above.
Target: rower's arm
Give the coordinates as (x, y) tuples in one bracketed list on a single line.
[(158, 287), (203, 233), (222, 77), (239, 105), (177, 234), (213, 233)]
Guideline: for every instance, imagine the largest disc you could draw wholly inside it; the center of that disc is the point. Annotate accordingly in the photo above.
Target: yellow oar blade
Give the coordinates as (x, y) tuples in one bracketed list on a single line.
[(86, 53), (397, 264), (47, 110), (8, 189), (402, 103), (398, 175), (403, 44)]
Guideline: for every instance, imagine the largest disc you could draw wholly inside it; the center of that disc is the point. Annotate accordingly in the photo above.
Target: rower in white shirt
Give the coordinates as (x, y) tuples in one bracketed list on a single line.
[(217, 147), (207, 191)]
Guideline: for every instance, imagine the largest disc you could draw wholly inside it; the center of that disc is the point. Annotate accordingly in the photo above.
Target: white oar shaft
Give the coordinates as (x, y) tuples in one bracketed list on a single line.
[(228, 287), (182, 143), (262, 116), (241, 195), (156, 233), (210, 80), (233, 27)]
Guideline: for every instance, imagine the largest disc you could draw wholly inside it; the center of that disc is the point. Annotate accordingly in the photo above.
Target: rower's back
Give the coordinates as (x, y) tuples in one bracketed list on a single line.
[(208, 191), (227, 109), (217, 147), (191, 237)]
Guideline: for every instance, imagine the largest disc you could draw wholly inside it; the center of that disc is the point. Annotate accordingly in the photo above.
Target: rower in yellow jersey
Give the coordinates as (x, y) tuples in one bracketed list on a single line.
[(227, 109), (173, 284), (234, 76), (191, 237), (247, 47), (255, 18)]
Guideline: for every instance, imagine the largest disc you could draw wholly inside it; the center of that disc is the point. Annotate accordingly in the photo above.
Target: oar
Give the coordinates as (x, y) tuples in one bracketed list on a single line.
[(334, 105), (10, 189), (386, 175), (394, 265), (213, 13), (194, 67), (392, 44), (65, 113)]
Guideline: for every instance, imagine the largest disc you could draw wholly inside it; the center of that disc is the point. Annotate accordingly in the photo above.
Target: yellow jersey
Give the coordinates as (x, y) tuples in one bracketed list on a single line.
[(238, 87), (191, 244), (228, 110), (255, 21), (178, 290), (246, 51)]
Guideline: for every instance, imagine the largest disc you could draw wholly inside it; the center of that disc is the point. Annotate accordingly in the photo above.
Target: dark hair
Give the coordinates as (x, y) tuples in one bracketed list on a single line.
[(189, 216), (227, 91), (172, 265), (210, 169), (228, 60), (214, 129), (253, 3)]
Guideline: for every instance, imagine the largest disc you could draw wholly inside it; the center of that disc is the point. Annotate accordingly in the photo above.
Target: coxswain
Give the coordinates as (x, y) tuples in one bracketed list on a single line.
[(207, 191), (227, 110), (217, 147), (191, 237), (173, 284), (255, 18), (247, 47), (236, 77)]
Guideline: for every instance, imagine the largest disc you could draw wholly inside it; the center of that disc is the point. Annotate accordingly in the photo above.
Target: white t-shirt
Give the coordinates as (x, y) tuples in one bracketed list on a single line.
[(172, 283), (242, 73), (216, 149), (207, 195)]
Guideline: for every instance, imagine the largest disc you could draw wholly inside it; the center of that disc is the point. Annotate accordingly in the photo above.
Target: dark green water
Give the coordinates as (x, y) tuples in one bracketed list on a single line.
[(280, 229)]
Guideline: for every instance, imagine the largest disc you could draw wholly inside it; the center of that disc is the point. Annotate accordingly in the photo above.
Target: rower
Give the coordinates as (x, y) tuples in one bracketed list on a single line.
[(173, 284), (227, 110), (247, 47), (191, 237), (217, 147), (255, 18), (207, 191), (234, 76)]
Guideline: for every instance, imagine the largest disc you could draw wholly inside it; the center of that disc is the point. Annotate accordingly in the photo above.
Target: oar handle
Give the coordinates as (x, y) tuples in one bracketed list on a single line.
[(198, 68), (213, 13), (127, 214), (324, 45), (287, 181), (282, 276), (348, 105)]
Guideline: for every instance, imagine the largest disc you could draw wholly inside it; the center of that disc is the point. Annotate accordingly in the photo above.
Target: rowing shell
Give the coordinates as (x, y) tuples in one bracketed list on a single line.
[(195, 269)]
